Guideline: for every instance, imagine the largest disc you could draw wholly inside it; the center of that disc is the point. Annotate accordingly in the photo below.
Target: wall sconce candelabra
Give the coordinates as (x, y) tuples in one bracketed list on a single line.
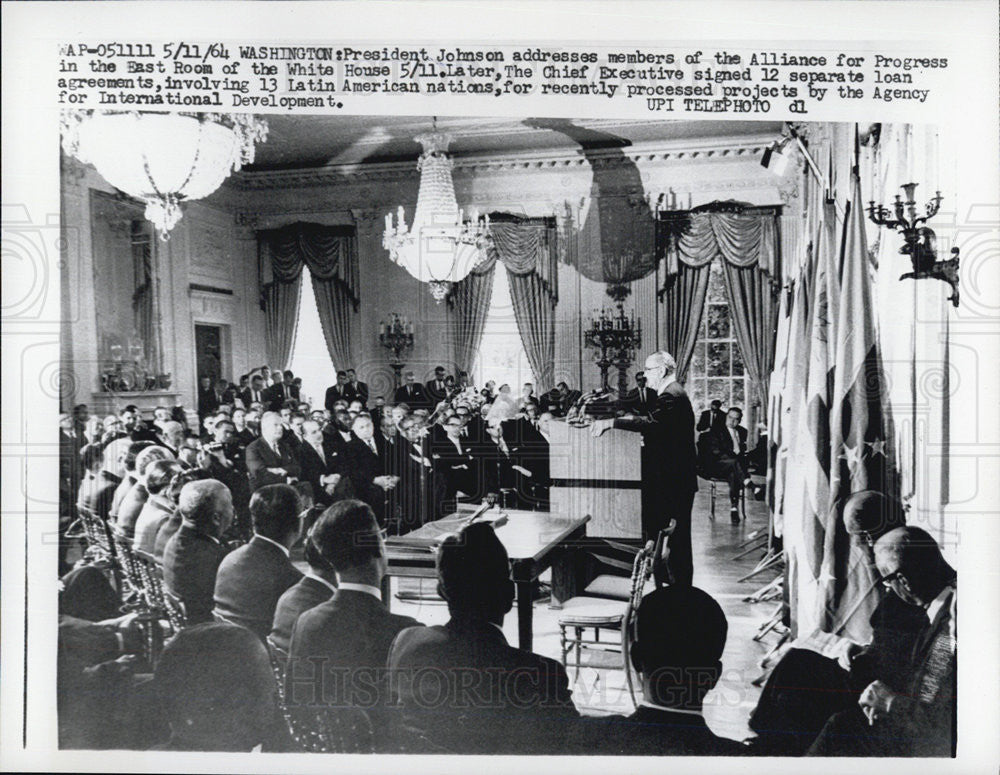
[(397, 337), (919, 242), (614, 337)]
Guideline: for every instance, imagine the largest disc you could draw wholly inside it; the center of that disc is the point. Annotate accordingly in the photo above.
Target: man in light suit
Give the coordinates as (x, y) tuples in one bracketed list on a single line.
[(469, 658), (268, 460), (669, 477)]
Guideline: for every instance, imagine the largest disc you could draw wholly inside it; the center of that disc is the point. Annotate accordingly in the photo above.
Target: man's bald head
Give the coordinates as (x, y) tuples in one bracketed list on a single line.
[(207, 504), (910, 563)]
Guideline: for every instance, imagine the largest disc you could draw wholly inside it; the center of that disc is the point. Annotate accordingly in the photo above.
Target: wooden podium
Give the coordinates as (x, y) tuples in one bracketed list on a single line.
[(599, 477)]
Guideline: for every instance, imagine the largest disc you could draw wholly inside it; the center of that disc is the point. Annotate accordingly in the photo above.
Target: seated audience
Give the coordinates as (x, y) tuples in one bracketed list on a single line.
[(130, 478), (268, 460), (918, 719), (192, 556), (135, 499), (317, 586), (806, 687), (217, 690), (97, 488), (158, 507), (476, 693), (253, 577), (680, 634), (176, 519), (339, 648)]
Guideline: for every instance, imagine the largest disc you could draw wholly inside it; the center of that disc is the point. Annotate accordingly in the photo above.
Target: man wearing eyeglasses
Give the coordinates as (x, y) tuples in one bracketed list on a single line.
[(669, 480), (918, 720)]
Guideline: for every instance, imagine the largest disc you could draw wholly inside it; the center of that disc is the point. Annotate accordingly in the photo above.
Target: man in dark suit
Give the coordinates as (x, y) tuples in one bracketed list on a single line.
[(680, 635), (255, 393), (276, 395), (339, 648), (919, 719), (410, 393), (365, 466), (560, 399), (640, 399), (207, 400), (712, 419), (806, 688), (253, 578), (290, 385), (723, 455), (322, 465), (669, 478), (436, 389), (192, 556), (419, 489), (358, 390), (471, 654), (317, 586), (337, 392), (456, 465), (268, 460)]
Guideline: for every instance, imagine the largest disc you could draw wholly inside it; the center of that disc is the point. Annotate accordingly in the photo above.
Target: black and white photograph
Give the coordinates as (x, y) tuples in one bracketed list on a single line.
[(436, 433)]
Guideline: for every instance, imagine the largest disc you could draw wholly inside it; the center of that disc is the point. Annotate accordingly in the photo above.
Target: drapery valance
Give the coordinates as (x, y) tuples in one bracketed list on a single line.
[(742, 239), (330, 252), (524, 246)]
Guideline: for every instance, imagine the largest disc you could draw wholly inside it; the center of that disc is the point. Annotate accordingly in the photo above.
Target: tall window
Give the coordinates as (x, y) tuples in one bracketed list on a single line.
[(716, 369), (501, 356), (310, 358)]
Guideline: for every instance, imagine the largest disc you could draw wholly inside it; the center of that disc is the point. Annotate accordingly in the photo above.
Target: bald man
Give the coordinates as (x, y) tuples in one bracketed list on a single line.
[(669, 481), (191, 559)]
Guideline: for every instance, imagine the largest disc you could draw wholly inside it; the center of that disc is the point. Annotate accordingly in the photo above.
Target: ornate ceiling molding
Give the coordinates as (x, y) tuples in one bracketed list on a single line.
[(716, 149)]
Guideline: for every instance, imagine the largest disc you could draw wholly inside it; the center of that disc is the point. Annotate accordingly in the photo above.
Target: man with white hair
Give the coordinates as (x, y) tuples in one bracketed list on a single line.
[(669, 480), (172, 436), (268, 460)]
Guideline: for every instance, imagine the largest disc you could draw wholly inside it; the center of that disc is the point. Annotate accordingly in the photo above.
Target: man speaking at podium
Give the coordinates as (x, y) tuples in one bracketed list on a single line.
[(669, 481)]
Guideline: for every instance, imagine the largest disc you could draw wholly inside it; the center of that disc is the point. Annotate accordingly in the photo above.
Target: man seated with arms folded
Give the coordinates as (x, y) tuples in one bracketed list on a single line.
[(680, 633), (252, 578), (339, 648), (820, 673), (460, 685), (268, 460), (919, 719), (317, 586), (216, 690), (159, 507), (193, 554)]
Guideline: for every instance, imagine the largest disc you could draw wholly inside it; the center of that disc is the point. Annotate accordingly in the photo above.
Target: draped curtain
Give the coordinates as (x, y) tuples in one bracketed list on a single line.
[(281, 315), (471, 304), (748, 245), (331, 254), (527, 249)]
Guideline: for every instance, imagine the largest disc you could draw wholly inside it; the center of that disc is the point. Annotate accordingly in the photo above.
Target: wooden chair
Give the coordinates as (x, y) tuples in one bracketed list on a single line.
[(134, 597), (158, 600), (609, 613), (714, 482)]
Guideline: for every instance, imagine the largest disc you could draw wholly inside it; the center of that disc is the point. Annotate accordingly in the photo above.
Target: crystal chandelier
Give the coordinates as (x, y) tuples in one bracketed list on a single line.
[(440, 247), (162, 159)]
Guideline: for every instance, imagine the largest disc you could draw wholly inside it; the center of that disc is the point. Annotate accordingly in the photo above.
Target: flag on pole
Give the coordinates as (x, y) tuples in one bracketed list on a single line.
[(857, 427), (812, 442)]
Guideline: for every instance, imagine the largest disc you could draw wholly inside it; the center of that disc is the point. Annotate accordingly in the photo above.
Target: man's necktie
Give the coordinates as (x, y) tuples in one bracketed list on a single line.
[(371, 445)]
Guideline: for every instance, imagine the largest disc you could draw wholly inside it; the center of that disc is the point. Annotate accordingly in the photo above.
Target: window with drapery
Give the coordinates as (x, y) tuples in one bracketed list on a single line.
[(716, 369), (501, 355)]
